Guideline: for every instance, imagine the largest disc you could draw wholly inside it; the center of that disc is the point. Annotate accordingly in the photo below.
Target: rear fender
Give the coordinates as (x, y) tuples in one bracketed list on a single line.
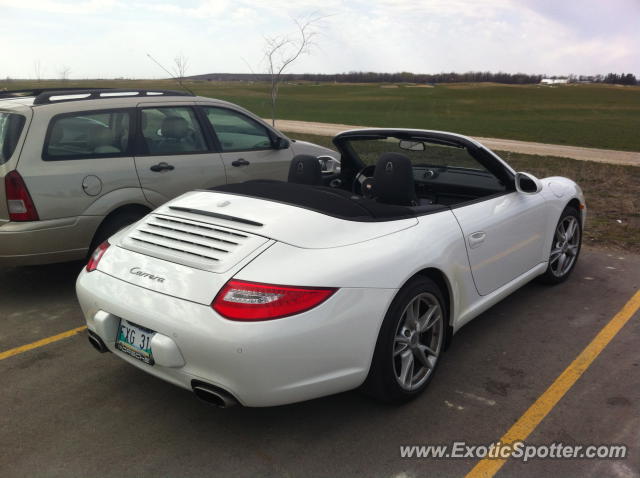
[(114, 199)]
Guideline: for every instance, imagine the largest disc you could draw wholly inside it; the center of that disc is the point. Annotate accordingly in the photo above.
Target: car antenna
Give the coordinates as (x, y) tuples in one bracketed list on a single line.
[(171, 75)]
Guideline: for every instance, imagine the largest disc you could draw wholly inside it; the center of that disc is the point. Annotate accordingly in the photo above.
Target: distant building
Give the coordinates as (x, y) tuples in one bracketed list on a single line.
[(554, 81)]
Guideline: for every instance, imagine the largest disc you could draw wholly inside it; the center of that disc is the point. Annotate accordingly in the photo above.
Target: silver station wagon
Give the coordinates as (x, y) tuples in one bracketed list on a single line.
[(78, 165)]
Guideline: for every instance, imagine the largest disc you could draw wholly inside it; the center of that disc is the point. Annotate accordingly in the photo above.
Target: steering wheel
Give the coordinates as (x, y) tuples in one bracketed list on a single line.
[(362, 183)]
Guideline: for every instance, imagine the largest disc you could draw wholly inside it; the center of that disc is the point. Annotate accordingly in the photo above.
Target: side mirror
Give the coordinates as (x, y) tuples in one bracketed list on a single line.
[(527, 183), (280, 143), (329, 164)]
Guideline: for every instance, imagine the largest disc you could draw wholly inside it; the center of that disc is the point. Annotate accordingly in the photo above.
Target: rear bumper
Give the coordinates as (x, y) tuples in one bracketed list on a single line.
[(44, 242), (323, 351)]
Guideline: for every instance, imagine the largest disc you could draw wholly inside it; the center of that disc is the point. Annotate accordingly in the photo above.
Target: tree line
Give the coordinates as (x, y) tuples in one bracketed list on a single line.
[(408, 77)]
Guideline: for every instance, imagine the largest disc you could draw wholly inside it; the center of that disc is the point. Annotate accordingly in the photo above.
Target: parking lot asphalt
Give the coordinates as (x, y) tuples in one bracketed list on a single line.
[(69, 411)]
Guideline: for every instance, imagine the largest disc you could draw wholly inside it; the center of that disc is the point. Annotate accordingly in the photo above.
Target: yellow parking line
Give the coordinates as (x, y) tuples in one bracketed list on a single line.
[(40, 343), (520, 430)]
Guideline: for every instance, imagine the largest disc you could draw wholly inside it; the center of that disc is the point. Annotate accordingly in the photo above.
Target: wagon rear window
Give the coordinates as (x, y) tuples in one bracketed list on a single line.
[(88, 135), (10, 128)]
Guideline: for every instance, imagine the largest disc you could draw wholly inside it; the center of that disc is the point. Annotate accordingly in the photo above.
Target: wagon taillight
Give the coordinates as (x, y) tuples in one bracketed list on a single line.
[(19, 202)]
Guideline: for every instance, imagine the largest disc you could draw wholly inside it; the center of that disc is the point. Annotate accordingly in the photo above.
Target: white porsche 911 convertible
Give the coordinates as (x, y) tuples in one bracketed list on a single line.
[(348, 275)]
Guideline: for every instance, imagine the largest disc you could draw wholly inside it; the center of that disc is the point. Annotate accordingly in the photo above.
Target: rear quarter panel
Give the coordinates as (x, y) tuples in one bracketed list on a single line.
[(387, 262), (56, 186), (10, 165)]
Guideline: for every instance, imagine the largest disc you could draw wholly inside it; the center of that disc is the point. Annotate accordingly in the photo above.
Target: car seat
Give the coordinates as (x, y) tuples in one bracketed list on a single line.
[(101, 140), (175, 135)]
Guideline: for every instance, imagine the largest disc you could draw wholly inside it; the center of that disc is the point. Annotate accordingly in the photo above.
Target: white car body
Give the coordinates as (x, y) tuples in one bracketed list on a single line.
[(329, 348)]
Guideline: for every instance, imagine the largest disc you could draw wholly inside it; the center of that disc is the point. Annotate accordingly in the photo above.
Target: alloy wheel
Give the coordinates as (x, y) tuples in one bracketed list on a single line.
[(418, 341), (565, 246)]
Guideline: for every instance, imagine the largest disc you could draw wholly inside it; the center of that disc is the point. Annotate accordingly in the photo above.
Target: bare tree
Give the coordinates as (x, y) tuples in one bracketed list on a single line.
[(282, 51), (181, 62), (37, 70), (180, 65), (63, 72)]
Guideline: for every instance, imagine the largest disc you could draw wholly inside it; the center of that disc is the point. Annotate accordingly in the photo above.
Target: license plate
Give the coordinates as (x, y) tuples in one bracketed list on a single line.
[(135, 341)]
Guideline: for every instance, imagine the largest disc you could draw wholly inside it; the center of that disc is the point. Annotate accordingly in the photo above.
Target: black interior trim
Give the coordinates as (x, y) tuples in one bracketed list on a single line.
[(329, 201)]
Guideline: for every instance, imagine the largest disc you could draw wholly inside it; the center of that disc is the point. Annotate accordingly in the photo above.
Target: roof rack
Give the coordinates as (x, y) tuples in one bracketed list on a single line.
[(31, 92), (59, 95)]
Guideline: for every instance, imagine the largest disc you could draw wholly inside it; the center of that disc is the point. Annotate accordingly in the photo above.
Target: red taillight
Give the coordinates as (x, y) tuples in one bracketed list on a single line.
[(92, 265), (239, 300), (19, 203)]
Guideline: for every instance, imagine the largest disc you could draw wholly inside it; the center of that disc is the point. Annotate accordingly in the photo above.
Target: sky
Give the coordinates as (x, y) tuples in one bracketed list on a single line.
[(111, 38)]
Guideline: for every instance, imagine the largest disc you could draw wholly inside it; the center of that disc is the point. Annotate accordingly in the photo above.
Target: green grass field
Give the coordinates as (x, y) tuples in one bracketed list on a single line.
[(600, 116)]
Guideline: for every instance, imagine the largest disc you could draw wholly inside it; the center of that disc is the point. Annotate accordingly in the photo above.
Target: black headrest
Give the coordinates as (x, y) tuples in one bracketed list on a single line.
[(305, 169), (174, 127), (393, 178)]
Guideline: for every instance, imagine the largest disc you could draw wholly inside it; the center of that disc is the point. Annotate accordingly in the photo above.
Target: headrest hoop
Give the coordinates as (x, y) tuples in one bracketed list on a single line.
[(305, 169)]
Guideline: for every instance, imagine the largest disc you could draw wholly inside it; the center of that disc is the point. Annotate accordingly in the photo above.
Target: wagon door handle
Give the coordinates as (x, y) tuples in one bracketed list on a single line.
[(158, 168), (476, 239), (240, 162)]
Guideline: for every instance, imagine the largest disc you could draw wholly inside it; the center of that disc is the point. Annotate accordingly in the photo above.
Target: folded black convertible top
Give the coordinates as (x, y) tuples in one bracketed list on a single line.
[(330, 201)]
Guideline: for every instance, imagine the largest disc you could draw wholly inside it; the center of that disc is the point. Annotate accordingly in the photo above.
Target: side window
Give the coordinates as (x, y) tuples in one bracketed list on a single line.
[(10, 129), (85, 135), (173, 130), (237, 132)]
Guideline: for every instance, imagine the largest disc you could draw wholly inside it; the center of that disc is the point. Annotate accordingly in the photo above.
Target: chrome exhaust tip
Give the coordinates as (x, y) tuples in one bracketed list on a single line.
[(213, 395), (97, 343)]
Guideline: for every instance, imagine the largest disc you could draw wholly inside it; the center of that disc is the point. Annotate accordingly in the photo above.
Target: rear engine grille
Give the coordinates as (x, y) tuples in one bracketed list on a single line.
[(206, 246)]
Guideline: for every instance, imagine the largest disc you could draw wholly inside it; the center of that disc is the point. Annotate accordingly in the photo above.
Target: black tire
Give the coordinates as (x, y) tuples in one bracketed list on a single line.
[(384, 380), (557, 273), (113, 224)]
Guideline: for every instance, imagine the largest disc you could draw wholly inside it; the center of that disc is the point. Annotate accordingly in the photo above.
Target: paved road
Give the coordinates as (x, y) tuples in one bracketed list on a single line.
[(525, 147), (69, 411)]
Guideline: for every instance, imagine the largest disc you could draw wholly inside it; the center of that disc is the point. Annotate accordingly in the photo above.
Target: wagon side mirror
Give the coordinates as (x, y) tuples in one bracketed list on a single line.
[(280, 143), (527, 183)]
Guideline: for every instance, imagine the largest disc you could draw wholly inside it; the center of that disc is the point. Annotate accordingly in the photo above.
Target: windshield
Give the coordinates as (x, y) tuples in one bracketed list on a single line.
[(10, 128), (421, 152)]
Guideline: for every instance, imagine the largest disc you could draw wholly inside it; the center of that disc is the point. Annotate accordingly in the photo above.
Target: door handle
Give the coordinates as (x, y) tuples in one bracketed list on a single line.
[(476, 239), (158, 168), (240, 162)]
